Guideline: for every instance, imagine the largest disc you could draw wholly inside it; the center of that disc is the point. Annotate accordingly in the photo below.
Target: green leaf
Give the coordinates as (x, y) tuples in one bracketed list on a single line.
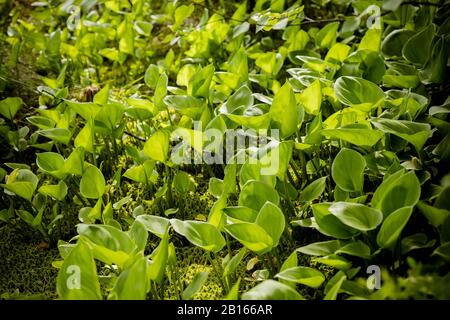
[(284, 112), (126, 36), (201, 234), (233, 294), (371, 40), (334, 261), (57, 191), (102, 96), (333, 292), (338, 53), (326, 37), (241, 98), (413, 132), (230, 268), (183, 182), (186, 105), (356, 248), (358, 92), (417, 49), (42, 122), (143, 173), (358, 135), (290, 262), (313, 190), (269, 62), (140, 109), (256, 122), (323, 248), (255, 194), (21, 182), (181, 13), (160, 259), (392, 227), (311, 98), (110, 116), (394, 42), (356, 215), (195, 285), (92, 184), (435, 216), (160, 92), (443, 251), (131, 283), (303, 275), (157, 146), (330, 225), (77, 279), (416, 241), (271, 290), (240, 214), (10, 106), (434, 70), (151, 76), (272, 220), (138, 233), (252, 236), (254, 171), (52, 163), (348, 170), (60, 135), (87, 110), (74, 164), (154, 224), (200, 82), (85, 138), (215, 187), (106, 236), (186, 73), (216, 216), (396, 191)]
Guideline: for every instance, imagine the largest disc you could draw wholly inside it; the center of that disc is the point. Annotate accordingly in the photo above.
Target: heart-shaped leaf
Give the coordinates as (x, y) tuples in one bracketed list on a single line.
[(92, 184)]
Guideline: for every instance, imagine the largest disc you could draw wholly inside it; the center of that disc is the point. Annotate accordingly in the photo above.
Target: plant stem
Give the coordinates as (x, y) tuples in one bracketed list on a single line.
[(303, 168), (216, 269)]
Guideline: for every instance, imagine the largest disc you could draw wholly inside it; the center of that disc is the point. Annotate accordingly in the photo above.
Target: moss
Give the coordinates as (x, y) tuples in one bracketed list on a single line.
[(26, 268), (190, 261)]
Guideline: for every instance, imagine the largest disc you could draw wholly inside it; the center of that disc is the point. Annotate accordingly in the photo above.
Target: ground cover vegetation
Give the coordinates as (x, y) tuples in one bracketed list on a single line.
[(112, 186)]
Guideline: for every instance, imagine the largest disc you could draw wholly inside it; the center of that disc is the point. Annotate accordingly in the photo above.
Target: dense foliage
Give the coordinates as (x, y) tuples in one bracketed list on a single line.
[(98, 99)]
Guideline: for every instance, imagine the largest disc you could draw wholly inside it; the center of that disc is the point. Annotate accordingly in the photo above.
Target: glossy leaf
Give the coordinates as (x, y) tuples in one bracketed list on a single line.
[(396, 191), (92, 184), (348, 170), (271, 290), (356, 215), (10, 106), (21, 182), (313, 190), (77, 279), (272, 220), (252, 236), (284, 113), (303, 275), (392, 227), (254, 195), (358, 92), (201, 234)]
